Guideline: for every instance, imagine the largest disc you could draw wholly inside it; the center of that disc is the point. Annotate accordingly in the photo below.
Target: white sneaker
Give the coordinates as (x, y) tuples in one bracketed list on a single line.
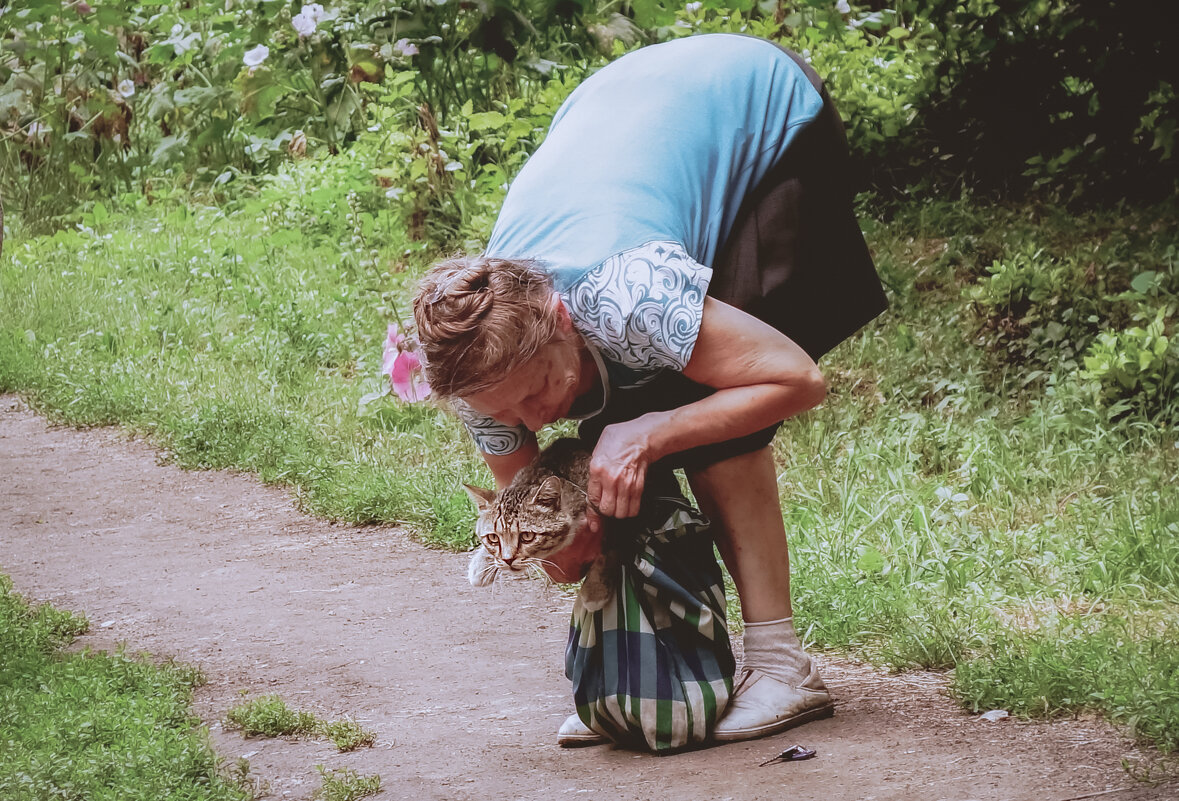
[(762, 705), (573, 733)]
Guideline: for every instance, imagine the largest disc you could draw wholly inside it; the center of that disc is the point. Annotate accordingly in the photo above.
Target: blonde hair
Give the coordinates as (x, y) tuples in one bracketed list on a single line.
[(479, 319)]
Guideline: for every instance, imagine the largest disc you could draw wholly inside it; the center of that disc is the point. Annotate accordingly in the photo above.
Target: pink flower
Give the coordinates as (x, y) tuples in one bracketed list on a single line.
[(404, 368), (406, 48)]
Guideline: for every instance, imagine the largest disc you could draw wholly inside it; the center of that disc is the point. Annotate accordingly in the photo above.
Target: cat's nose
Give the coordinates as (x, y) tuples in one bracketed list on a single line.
[(508, 560)]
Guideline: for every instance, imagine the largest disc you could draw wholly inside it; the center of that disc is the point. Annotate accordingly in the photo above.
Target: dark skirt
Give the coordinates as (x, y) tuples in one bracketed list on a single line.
[(795, 258)]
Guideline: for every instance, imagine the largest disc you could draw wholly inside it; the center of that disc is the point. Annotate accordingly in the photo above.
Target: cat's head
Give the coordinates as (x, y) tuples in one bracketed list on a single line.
[(524, 526)]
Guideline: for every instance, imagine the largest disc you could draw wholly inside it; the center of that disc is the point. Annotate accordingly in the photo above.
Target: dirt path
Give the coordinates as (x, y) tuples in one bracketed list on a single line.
[(463, 687)]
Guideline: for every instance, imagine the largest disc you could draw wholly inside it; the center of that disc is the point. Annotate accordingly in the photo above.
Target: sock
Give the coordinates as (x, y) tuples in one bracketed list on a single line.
[(773, 648)]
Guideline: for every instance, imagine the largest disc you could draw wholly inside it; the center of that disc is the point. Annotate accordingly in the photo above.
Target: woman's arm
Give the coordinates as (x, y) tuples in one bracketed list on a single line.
[(504, 467), (761, 376)]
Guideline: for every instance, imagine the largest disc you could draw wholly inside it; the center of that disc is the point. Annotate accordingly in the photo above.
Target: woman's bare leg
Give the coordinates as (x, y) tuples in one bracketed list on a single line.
[(740, 496), (779, 687)]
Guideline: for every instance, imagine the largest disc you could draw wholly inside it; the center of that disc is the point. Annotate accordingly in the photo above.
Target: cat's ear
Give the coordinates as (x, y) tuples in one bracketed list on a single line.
[(548, 494), (482, 498)]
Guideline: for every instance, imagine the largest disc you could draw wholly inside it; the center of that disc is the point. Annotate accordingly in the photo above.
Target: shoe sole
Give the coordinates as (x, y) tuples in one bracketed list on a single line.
[(818, 713), (580, 741)]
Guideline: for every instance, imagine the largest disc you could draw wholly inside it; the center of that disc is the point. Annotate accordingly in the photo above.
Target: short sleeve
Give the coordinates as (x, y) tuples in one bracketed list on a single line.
[(642, 308), (490, 436)]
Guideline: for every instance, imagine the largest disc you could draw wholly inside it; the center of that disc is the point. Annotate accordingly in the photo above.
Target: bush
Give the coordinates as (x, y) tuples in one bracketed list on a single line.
[(1033, 308), (1137, 366)]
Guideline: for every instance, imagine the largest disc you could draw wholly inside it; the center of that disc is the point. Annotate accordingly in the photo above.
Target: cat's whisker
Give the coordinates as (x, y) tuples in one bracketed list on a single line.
[(539, 565)]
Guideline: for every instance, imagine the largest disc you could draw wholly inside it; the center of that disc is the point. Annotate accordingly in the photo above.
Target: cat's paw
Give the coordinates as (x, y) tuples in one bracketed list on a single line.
[(595, 595), (482, 568)]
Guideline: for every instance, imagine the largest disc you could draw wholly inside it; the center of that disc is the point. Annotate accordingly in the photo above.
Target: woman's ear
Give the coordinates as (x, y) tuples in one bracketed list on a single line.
[(564, 321)]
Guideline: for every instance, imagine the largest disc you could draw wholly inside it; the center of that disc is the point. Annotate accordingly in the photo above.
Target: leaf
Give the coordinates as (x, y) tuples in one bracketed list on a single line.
[(170, 149), (259, 93), (201, 97), (1144, 282), (870, 561), (485, 120)]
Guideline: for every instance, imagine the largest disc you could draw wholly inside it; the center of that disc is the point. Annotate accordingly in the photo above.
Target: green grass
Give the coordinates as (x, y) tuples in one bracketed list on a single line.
[(105, 727), (237, 339), (269, 716), (961, 501), (346, 784)]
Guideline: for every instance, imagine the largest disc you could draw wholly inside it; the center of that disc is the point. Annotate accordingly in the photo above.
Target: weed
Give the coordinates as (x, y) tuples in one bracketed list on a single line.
[(91, 725), (269, 716), (345, 784), (348, 735)]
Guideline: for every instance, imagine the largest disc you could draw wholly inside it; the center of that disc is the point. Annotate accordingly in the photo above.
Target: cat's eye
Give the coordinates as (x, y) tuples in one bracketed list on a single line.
[(492, 538), (527, 536)]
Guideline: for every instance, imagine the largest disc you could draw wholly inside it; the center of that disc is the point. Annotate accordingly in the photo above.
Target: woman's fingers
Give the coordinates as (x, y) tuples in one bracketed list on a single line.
[(618, 469), (616, 493), (593, 520)]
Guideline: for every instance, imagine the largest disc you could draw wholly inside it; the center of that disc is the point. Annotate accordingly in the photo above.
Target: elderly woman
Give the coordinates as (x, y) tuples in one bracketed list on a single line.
[(668, 267)]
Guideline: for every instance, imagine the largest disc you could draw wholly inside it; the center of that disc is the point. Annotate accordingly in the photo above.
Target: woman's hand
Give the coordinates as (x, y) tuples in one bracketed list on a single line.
[(618, 469)]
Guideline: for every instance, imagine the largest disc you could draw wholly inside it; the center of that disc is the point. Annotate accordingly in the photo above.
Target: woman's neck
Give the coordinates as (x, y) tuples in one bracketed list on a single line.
[(588, 378)]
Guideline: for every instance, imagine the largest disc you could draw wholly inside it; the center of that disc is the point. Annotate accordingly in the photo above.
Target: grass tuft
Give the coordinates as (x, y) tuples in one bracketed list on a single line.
[(269, 716), (95, 725), (345, 784)]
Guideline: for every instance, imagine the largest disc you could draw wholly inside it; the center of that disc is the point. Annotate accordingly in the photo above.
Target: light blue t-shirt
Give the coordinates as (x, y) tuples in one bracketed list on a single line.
[(635, 188)]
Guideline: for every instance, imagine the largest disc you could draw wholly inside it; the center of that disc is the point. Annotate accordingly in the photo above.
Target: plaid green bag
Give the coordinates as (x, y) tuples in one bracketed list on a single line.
[(654, 668)]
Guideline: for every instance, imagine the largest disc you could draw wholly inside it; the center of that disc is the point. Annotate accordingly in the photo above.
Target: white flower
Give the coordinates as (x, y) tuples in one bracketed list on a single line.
[(692, 8), (404, 47), (38, 131), (303, 24), (256, 56), (314, 12), (875, 18), (842, 7), (126, 87)]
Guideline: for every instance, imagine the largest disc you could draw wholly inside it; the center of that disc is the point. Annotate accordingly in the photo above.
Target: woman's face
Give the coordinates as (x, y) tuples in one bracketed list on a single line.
[(537, 393)]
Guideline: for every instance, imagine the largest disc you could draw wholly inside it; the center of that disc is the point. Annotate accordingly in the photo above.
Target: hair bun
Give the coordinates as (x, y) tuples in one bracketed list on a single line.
[(477, 318)]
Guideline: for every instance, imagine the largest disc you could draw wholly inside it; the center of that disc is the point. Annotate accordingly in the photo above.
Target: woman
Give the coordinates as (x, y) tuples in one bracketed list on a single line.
[(668, 266)]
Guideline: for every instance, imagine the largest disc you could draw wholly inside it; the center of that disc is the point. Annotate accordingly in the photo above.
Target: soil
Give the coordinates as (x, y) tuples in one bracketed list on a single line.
[(464, 687)]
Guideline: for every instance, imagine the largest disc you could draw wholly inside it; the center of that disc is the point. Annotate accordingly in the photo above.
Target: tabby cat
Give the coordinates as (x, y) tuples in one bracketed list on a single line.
[(536, 516)]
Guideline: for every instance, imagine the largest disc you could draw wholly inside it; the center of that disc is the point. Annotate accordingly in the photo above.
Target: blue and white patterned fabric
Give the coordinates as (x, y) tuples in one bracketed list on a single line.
[(633, 192), (640, 310)]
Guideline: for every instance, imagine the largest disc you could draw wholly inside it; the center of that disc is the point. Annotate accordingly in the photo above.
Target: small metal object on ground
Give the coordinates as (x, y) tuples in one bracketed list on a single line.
[(795, 753)]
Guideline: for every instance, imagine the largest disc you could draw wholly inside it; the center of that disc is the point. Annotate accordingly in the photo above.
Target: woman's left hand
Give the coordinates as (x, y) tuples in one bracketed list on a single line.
[(618, 469)]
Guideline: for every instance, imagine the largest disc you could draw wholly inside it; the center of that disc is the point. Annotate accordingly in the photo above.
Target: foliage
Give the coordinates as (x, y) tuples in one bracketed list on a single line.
[(1058, 95), (1130, 674), (1141, 364), (345, 784), (269, 716), (113, 97), (1067, 304), (1031, 308), (85, 725)]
